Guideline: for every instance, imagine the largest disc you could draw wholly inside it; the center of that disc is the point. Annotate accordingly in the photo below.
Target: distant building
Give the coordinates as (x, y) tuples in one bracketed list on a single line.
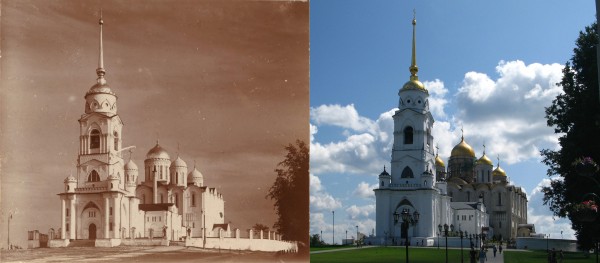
[(469, 195)]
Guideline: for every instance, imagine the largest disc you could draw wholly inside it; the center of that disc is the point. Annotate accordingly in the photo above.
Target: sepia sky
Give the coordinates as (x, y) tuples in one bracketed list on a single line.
[(228, 82)]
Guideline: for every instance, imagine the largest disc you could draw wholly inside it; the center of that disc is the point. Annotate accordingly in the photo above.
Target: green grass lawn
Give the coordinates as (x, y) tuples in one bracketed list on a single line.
[(390, 254), (540, 256), (427, 255)]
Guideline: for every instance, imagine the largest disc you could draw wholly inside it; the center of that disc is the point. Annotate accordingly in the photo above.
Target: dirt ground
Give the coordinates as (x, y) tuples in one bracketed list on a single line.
[(141, 254)]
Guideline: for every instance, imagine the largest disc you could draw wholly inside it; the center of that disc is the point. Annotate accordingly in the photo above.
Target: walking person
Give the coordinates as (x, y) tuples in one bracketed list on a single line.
[(561, 256), (494, 249), (482, 255), (473, 255), (500, 248)]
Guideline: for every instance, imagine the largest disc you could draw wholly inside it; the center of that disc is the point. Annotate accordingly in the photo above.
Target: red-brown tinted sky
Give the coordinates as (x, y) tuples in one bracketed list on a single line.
[(227, 81)]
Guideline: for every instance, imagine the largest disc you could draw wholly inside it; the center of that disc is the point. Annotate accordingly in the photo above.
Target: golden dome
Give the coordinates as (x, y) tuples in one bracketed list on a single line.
[(462, 149), (414, 84), (499, 172), (157, 153), (439, 161), (485, 160)]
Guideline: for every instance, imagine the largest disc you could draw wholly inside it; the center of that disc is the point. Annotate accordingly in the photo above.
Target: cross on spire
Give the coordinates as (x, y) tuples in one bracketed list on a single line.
[(413, 65), (100, 70)]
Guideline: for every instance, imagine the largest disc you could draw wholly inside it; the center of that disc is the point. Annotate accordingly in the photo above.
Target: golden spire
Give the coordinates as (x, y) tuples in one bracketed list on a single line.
[(100, 70), (413, 65)]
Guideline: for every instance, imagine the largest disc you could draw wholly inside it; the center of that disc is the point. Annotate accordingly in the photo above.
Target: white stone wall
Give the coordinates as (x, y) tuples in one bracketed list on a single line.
[(243, 244)]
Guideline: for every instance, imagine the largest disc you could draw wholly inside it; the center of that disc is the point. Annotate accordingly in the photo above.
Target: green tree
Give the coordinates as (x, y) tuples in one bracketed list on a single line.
[(290, 192), (316, 241), (575, 115)]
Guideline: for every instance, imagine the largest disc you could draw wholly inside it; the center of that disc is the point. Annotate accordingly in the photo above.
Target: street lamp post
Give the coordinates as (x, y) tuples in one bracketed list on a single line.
[(357, 236), (438, 235), (461, 246), (408, 220), (346, 237), (9, 218), (446, 234), (333, 237), (396, 218)]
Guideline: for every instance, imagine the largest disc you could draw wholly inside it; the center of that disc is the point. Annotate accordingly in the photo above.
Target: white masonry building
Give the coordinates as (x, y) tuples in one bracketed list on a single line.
[(469, 197), (105, 202)]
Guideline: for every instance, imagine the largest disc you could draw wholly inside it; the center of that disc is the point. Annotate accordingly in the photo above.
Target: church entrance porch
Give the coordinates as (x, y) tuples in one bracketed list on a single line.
[(92, 231)]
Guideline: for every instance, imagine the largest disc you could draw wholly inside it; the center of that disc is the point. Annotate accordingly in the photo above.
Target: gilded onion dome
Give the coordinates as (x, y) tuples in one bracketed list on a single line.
[(439, 161), (178, 163), (462, 149), (195, 176), (130, 165), (499, 172), (414, 83), (485, 160), (157, 153)]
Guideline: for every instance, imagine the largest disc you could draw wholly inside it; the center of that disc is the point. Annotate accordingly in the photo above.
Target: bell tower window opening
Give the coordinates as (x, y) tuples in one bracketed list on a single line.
[(94, 176), (407, 173), (116, 139), (94, 139), (408, 135)]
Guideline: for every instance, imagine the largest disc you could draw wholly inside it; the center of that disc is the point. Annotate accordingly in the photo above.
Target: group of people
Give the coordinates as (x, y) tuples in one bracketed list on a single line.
[(482, 253), (554, 256)]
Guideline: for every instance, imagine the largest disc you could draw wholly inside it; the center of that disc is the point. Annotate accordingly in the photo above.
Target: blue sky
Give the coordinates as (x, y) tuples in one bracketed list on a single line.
[(490, 67)]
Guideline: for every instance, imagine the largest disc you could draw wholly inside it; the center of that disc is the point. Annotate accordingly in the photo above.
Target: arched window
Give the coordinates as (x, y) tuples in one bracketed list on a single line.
[(94, 176), (428, 137), (143, 198), (116, 135), (407, 173), (408, 135), (382, 183), (94, 139)]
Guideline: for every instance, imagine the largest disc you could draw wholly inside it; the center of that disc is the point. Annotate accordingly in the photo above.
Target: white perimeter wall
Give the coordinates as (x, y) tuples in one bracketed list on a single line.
[(542, 243), (243, 244)]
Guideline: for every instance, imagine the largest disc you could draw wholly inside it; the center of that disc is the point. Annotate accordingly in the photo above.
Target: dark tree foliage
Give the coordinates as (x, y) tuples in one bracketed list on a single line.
[(575, 114), (290, 192), (316, 241), (258, 227)]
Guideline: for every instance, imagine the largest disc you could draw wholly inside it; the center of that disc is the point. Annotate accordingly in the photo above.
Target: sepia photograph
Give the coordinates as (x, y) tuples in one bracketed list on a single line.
[(162, 131)]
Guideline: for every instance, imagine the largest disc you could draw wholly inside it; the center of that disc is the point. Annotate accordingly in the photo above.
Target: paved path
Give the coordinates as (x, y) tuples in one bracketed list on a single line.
[(338, 249), (491, 259)]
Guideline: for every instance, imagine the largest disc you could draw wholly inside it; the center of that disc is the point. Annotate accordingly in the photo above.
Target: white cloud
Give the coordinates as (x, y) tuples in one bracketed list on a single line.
[(360, 212), (323, 201), (315, 183), (508, 113), (365, 190), (540, 215), (437, 100), (360, 153), (319, 199), (341, 116)]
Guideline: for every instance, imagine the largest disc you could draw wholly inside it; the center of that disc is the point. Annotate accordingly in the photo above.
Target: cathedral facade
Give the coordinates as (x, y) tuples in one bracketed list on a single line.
[(110, 198), (469, 195)]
